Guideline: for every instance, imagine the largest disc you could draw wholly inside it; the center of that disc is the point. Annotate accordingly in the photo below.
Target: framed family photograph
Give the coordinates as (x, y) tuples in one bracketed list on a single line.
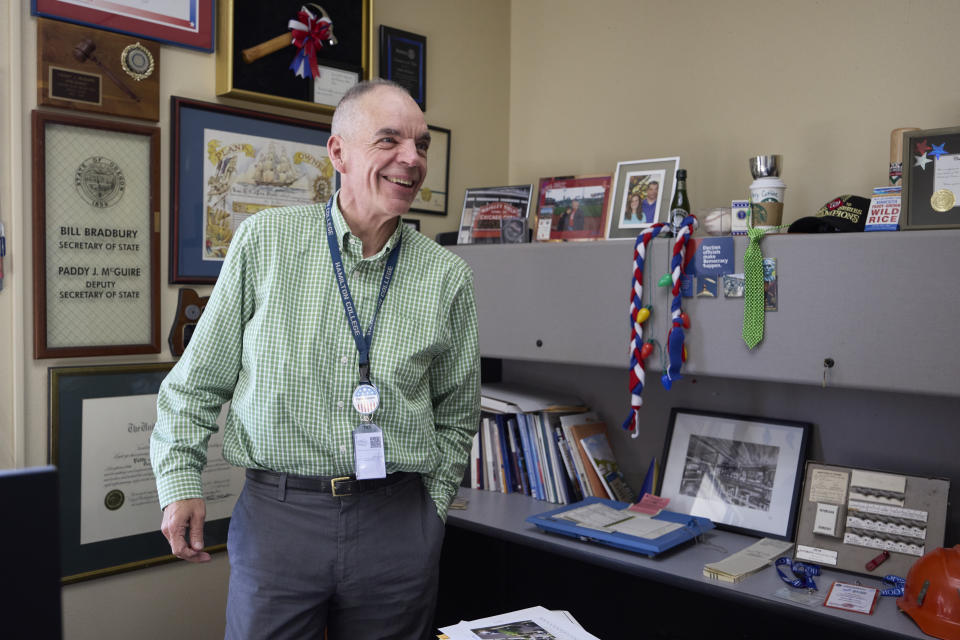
[(226, 165), (572, 208), (642, 191), (101, 418), (495, 215), (744, 473), (96, 237), (291, 54), (188, 23), (931, 179), (432, 197)]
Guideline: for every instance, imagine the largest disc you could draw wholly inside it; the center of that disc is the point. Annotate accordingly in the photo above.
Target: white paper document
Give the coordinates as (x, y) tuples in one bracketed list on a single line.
[(535, 622), (603, 518), (747, 561)]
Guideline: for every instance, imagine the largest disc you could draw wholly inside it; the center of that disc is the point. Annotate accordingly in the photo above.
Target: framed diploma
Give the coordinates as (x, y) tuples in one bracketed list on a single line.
[(96, 237), (435, 190), (88, 69), (291, 54), (101, 419), (403, 59), (226, 164), (931, 179), (185, 23)]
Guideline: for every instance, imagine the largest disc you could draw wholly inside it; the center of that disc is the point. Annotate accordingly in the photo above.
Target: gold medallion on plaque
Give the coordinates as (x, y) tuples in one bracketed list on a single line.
[(943, 200), (137, 61)]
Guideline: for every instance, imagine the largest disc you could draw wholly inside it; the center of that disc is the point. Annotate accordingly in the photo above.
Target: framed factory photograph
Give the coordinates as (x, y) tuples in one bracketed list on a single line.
[(87, 69), (96, 237), (741, 472), (572, 208), (869, 521), (433, 194), (931, 179), (101, 418), (641, 195), (188, 23), (495, 215), (291, 54), (228, 163)]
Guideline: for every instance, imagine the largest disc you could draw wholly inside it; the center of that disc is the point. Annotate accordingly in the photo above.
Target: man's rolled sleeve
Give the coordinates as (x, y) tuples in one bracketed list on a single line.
[(455, 389), (193, 393)]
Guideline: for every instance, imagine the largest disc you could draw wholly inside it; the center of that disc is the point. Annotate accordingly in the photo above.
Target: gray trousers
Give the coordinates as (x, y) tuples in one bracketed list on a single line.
[(363, 567)]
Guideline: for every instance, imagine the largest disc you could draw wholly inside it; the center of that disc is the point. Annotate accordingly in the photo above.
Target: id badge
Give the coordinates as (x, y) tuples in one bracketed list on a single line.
[(368, 457)]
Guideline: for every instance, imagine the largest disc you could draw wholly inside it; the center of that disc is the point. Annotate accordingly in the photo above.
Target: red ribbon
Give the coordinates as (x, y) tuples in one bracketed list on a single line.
[(309, 40)]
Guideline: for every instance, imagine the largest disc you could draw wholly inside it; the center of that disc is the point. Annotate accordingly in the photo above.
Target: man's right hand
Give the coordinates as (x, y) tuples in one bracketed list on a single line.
[(177, 517)]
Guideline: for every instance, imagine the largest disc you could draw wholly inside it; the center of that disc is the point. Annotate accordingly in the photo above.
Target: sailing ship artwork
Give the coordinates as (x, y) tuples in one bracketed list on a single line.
[(244, 174)]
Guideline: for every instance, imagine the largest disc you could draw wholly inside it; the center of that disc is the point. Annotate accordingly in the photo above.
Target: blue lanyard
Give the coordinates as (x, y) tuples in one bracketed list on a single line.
[(804, 573), (363, 341)]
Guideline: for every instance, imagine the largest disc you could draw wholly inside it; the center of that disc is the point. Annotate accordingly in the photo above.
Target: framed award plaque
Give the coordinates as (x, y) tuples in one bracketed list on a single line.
[(96, 237), (931, 179)]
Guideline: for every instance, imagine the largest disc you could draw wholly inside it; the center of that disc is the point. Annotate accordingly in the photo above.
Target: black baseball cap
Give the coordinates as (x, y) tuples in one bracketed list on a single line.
[(843, 213)]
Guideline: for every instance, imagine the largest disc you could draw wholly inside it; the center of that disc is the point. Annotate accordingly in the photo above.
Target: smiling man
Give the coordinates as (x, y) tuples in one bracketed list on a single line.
[(346, 344)]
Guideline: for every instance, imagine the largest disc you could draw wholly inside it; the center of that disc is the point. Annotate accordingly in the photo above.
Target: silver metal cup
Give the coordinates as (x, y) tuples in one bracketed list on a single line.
[(765, 166)]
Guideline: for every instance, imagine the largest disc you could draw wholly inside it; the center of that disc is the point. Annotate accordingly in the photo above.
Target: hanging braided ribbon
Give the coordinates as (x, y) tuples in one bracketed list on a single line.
[(309, 32), (638, 314), (675, 337)]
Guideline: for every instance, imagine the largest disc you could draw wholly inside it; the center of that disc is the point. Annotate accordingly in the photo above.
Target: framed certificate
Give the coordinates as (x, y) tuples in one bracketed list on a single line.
[(434, 192), (403, 59), (227, 164), (101, 419), (96, 237), (931, 179), (185, 23), (256, 60)]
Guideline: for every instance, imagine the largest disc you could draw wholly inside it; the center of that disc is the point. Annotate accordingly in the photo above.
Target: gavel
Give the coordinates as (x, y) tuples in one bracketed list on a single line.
[(83, 51), (284, 40)]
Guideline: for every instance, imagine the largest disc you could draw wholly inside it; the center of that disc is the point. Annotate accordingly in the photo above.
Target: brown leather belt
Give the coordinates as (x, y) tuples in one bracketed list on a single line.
[(339, 486)]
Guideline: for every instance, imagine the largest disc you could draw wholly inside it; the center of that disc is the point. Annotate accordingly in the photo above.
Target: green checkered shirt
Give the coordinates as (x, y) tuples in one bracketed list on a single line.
[(274, 341)]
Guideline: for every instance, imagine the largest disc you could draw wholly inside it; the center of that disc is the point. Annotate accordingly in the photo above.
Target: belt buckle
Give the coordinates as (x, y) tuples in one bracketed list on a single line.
[(333, 486)]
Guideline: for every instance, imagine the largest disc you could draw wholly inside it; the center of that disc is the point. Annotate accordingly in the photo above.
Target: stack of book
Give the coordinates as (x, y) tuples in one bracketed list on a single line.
[(544, 446)]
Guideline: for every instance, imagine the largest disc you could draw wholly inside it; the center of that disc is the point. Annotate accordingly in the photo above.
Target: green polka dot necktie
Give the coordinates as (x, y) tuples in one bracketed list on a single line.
[(753, 289)]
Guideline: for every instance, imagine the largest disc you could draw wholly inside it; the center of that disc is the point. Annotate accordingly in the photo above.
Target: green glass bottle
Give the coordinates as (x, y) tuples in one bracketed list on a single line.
[(680, 206)]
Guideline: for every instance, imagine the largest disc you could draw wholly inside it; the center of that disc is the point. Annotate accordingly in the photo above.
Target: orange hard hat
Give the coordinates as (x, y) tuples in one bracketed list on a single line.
[(931, 595)]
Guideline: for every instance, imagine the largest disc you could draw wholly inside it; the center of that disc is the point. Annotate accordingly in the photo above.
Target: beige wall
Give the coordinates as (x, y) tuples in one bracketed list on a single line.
[(821, 82), (468, 70)]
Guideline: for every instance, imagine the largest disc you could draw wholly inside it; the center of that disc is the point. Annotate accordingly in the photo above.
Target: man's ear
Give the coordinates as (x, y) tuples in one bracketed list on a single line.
[(335, 151)]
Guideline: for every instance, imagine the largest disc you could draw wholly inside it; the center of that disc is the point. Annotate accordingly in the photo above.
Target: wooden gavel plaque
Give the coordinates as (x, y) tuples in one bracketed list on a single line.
[(88, 69)]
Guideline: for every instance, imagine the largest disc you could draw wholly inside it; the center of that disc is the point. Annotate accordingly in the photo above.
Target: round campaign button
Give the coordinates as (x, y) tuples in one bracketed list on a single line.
[(366, 399)]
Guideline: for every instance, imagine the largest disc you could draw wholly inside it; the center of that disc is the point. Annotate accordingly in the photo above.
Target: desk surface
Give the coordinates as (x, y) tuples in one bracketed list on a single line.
[(502, 516)]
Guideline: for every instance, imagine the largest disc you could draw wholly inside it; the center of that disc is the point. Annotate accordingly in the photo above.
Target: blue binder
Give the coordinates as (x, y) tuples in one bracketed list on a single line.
[(693, 527)]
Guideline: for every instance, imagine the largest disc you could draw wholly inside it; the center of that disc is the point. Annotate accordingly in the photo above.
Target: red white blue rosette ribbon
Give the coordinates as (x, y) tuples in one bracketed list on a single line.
[(308, 32)]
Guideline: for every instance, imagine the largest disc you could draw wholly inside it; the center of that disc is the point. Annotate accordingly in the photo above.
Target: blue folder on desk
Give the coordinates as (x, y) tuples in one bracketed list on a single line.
[(694, 526)]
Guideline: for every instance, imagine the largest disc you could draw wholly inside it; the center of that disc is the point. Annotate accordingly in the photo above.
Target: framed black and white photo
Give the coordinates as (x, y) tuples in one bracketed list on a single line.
[(744, 473)]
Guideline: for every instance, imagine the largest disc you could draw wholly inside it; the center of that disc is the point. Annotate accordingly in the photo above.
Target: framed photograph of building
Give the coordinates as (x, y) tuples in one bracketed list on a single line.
[(101, 418), (743, 473), (641, 195), (188, 23), (226, 164), (495, 215), (309, 65), (572, 208), (96, 237)]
